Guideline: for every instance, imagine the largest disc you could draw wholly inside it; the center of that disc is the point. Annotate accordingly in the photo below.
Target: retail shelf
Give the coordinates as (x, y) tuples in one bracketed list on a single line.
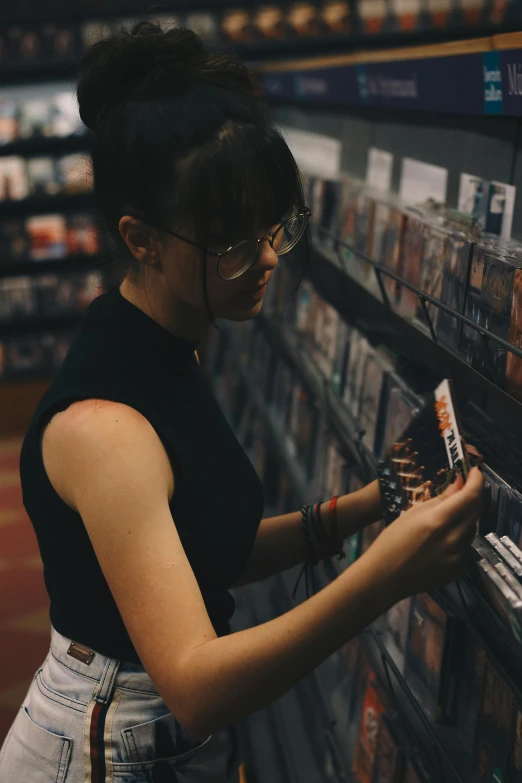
[(436, 742), (63, 202), (344, 425), (73, 263), (355, 303), (25, 326), (467, 78), (46, 145)]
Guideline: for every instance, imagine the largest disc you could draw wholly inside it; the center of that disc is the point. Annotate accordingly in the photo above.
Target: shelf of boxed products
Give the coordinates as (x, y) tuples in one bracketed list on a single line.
[(352, 299), (44, 145), (474, 77), (466, 600), (431, 740)]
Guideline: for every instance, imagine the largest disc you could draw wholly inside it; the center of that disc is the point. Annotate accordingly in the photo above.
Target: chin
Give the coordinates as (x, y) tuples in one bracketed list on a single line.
[(243, 314)]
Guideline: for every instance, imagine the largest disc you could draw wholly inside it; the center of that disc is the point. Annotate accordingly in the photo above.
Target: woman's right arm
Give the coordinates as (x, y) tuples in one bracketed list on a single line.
[(107, 462)]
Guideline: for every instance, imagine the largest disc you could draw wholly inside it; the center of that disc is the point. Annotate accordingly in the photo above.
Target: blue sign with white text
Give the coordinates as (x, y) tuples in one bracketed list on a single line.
[(492, 74)]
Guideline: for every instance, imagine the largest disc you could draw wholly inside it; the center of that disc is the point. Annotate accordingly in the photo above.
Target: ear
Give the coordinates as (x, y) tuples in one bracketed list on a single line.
[(140, 239)]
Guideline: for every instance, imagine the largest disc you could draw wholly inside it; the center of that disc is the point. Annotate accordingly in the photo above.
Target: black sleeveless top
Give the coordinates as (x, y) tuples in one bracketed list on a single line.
[(123, 355)]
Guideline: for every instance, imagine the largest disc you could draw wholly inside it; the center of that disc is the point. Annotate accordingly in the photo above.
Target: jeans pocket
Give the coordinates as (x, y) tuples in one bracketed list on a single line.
[(161, 738), (33, 753)]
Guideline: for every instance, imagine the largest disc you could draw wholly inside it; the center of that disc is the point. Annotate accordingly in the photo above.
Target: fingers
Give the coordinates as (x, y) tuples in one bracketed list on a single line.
[(467, 500)]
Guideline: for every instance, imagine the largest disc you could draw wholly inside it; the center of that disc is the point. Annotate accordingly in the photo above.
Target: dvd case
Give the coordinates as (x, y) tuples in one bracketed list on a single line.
[(372, 400), (365, 750), (470, 342), (455, 273), (393, 252), (430, 656), (514, 362), (350, 189), (509, 514), (430, 274), (490, 759), (402, 405), (427, 458), (388, 765)]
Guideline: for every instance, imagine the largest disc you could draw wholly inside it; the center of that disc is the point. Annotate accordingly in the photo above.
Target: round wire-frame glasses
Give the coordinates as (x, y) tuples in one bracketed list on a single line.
[(235, 260)]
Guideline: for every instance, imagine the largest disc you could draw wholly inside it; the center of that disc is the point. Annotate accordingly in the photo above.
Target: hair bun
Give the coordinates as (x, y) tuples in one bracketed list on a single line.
[(147, 60)]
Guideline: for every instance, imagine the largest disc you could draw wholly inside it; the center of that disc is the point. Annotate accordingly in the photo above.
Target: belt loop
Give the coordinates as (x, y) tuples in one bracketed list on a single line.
[(103, 689)]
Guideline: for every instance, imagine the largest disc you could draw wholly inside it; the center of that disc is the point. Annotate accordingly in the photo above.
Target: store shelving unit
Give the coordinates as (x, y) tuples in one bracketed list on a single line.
[(73, 263)]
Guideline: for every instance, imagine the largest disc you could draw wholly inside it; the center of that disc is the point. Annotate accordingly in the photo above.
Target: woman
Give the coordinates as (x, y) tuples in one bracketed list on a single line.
[(145, 507)]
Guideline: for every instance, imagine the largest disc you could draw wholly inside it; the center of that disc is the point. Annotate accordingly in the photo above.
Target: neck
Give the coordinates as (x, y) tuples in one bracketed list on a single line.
[(177, 317)]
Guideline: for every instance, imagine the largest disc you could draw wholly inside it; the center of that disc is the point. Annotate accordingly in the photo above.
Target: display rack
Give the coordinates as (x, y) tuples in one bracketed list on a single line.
[(36, 324), (32, 205)]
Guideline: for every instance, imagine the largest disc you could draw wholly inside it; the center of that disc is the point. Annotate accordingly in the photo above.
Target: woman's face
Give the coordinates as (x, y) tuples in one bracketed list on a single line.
[(236, 300)]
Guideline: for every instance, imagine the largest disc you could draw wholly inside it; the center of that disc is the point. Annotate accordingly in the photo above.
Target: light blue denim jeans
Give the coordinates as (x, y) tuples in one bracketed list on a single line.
[(88, 718)]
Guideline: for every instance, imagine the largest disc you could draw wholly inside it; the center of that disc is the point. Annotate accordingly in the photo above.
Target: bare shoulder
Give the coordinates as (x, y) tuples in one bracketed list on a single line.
[(94, 435)]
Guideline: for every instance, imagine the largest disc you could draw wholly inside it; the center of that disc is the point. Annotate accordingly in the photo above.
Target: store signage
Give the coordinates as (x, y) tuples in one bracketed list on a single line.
[(492, 74), (486, 83)]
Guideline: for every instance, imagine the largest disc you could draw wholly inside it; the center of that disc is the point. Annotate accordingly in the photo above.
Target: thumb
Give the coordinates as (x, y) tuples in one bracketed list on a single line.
[(469, 496), (454, 487)]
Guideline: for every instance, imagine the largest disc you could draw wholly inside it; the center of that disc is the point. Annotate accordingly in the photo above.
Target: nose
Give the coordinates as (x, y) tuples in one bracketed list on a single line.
[(266, 258)]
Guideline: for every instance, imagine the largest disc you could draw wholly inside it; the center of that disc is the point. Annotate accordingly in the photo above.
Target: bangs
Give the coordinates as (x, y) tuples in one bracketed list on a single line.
[(241, 184)]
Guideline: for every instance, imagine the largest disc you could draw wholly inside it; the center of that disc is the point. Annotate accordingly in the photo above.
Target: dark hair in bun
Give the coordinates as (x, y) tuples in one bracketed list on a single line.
[(182, 136)]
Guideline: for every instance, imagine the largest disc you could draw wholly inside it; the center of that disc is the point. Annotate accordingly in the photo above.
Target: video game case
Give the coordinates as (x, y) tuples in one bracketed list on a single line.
[(502, 597), (430, 656), (471, 682), (491, 751), (493, 484), (372, 710), (431, 270), (514, 362), (349, 188), (427, 458), (505, 554), (372, 401), (393, 252), (363, 237), (513, 549), (388, 765), (509, 521), (414, 242), (455, 274), (402, 405), (398, 623), (469, 338), (495, 315), (515, 771)]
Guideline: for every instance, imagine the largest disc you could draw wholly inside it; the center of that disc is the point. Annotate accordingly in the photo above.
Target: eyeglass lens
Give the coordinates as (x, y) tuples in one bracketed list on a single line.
[(240, 258)]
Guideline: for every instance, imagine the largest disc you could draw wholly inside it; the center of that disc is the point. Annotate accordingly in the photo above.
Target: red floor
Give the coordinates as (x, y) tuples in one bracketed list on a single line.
[(24, 606)]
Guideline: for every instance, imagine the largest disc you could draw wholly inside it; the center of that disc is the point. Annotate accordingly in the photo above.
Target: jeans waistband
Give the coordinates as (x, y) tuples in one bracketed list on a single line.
[(100, 668)]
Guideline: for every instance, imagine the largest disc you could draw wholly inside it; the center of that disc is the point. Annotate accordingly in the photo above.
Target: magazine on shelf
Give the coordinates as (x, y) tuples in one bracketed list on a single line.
[(427, 458)]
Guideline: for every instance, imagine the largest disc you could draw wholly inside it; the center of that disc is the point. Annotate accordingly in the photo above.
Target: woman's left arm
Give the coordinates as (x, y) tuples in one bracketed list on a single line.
[(279, 543)]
